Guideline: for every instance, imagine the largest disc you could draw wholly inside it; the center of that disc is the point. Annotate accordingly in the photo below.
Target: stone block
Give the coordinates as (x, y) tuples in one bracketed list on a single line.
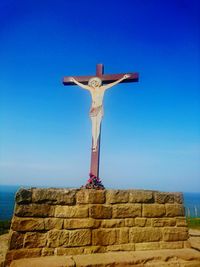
[(57, 238), (81, 223), (126, 210), (181, 222), (175, 234), (54, 196), (147, 246), (16, 240), (122, 247), (27, 224), (23, 196), (172, 245), (53, 223), (47, 252), (153, 210), (34, 210), (22, 253), (173, 210), (104, 237), (35, 240), (100, 211), (129, 222), (124, 235), (69, 251), (80, 238), (163, 222), (78, 211), (140, 221), (146, 234), (141, 196), (94, 249), (117, 196), (90, 196), (164, 197), (112, 223)]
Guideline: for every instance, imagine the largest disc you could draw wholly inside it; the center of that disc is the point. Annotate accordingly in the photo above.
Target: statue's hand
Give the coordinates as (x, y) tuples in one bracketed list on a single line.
[(127, 76)]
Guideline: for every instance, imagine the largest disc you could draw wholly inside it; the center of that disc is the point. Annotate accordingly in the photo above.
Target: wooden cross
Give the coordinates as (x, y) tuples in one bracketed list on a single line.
[(106, 78)]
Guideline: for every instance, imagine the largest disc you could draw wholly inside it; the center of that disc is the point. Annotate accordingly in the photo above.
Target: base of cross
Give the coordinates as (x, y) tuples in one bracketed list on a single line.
[(93, 183)]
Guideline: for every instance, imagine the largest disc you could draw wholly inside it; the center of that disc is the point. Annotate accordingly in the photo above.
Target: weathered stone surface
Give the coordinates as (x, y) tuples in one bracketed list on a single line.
[(164, 197), (105, 237), (129, 222), (124, 235), (153, 210), (112, 223), (175, 234), (34, 210), (22, 253), (16, 240), (147, 246), (171, 245), (141, 196), (173, 210), (47, 252), (27, 224), (23, 196), (147, 234), (69, 251), (90, 196), (81, 223), (162, 222), (35, 240), (126, 210), (78, 211), (140, 221), (94, 249), (53, 223), (100, 211), (79, 238), (117, 196), (57, 238), (54, 196), (122, 247), (181, 222)]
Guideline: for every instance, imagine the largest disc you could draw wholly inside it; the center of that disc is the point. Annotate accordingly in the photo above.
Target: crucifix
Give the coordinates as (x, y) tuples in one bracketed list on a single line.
[(97, 85)]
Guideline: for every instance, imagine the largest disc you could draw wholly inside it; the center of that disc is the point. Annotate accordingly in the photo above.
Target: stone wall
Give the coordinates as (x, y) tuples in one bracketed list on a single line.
[(75, 221)]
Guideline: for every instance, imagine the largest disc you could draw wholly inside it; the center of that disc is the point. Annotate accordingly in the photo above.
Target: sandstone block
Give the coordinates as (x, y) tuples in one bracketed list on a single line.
[(100, 211), (81, 223), (79, 211), (117, 196), (147, 246), (124, 235), (80, 238), (140, 221), (129, 222), (94, 249), (35, 240), (22, 253), (53, 223), (164, 197), (90, 196), (175, 234), (34, 210), (47, 252), (126, 210), (15, 240), (146, 234), (162, 222), (122, 247), (181, 222), (69, 251), (23, 196), (173, 210), (104, 237), (171, 245), (57, 238), (141, 196), (153, 210), (112, 223), (54, 196), (27, 224)]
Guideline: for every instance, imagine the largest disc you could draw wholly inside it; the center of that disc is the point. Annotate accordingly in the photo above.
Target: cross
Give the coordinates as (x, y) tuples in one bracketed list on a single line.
[(106, 79)]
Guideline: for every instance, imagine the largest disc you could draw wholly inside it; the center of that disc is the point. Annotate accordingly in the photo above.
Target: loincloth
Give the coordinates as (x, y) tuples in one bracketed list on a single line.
[(95, 111)]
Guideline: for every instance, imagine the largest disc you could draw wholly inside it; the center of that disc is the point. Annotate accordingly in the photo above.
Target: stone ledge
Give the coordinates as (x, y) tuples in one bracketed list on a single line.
[(156, 258)]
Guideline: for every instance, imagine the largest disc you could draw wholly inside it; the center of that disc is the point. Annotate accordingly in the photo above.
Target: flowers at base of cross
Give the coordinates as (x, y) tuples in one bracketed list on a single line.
[(93, 183)]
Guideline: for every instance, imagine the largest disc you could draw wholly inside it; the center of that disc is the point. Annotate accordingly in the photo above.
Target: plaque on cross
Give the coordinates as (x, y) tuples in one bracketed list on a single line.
[(97, 85)]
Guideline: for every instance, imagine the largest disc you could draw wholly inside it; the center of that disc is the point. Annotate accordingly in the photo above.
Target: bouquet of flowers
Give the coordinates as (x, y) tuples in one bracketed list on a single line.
[(93, 183)]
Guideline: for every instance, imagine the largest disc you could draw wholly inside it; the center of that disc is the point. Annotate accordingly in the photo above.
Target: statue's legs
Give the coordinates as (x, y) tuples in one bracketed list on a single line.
[(96, 123)]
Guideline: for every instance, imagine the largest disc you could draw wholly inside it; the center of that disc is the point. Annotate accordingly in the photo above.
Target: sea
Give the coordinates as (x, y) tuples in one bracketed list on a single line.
[(7, 202)]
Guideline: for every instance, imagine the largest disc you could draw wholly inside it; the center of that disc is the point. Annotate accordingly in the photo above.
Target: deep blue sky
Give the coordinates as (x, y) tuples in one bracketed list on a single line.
[(150, 131)]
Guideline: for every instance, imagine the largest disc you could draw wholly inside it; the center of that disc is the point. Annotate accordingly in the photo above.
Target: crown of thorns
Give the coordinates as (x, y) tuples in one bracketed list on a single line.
[(94, 79)]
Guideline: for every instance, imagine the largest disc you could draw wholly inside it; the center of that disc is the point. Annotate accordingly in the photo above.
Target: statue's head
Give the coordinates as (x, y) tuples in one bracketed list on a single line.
[(95, 82)]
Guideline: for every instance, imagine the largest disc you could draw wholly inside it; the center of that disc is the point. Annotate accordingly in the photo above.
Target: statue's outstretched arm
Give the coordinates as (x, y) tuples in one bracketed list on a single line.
[(87, 87), (105, 87)]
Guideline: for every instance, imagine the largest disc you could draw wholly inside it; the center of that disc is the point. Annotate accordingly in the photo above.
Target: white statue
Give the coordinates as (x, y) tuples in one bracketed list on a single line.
[(97, 91)]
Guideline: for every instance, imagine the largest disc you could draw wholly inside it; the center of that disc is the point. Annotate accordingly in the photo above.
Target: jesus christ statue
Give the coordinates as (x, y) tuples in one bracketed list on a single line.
[(97, 91)]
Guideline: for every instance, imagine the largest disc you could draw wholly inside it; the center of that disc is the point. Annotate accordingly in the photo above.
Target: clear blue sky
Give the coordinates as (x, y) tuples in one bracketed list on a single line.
[(151, 129)]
